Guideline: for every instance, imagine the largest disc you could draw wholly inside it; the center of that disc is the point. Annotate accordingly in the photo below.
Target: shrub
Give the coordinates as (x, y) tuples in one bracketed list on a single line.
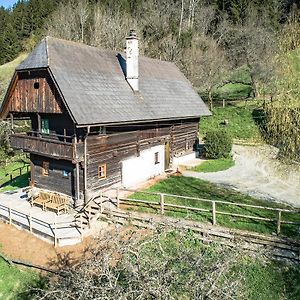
[(218, 144)]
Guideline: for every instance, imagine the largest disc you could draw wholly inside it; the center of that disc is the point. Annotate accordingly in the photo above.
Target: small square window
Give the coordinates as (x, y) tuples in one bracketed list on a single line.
[(102, 171), (66, 173), (156, 158), (45, 168)]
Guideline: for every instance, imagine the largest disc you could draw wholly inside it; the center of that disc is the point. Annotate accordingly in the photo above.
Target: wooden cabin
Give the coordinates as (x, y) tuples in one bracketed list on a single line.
[(100, 118)]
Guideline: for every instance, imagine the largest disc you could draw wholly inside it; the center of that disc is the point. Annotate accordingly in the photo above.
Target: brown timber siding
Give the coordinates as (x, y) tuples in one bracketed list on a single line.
[(25, 98), (114, 148), (55, 181), (183, 138)]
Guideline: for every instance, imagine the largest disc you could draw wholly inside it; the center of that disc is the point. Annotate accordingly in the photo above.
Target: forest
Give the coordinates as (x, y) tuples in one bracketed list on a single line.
[(214, 42)]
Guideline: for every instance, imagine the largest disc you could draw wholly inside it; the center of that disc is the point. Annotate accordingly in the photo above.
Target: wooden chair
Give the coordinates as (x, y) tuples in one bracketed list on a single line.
[(57, 203), (41, 199)]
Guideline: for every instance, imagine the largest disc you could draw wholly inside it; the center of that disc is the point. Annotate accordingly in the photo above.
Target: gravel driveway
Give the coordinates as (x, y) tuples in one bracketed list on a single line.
[(258, 173)]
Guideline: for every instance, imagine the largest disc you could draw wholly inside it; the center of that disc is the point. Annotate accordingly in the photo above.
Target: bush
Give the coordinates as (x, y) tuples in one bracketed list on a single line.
[(218, 144)]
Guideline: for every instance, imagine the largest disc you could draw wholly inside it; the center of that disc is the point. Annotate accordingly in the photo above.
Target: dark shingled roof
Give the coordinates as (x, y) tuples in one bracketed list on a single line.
[(95, 91)]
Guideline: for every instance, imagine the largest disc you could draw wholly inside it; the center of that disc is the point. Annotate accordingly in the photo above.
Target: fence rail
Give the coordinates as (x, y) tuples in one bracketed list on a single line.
[(215, 207), (14, 216), (12, 175)]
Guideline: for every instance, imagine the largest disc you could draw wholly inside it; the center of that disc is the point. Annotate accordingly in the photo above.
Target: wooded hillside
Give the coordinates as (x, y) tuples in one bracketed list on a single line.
[(214, 42)]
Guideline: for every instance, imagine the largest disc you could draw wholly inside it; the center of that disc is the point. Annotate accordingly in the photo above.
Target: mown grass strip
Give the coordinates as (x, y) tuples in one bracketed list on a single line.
[(192, 187), (214, 165)]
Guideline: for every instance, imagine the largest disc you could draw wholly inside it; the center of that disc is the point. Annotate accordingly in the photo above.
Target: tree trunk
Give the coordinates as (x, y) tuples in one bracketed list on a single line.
[(181, 18)]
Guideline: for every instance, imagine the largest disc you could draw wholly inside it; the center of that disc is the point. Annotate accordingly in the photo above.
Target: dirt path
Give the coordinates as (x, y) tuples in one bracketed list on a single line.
[(258, 173), (19, 244)]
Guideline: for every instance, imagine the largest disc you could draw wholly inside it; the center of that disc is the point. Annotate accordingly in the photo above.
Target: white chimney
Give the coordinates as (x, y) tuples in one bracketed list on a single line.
[(132, 60)]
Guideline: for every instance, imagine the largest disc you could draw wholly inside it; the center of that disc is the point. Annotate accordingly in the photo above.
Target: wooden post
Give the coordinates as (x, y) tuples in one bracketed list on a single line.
[(20, 171), (81, 229), (85, 166), (11, 122), (11, 178), (162, 204), (214, 216), (118, 197), (89, 207), (30, 222), (55, 236), (223, 103), (9, 214), (278, 221), (39, 122)]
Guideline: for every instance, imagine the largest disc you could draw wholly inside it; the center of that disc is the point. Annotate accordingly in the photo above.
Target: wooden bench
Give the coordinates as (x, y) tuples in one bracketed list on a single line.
[(41, 199), (57, 203)]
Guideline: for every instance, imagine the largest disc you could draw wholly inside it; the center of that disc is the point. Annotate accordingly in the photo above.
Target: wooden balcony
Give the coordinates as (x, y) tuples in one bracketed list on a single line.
[(59, 147)]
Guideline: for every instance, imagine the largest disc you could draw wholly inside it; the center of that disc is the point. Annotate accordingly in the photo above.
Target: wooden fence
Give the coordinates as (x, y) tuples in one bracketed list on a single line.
[(12, 175), (214, 209), (37, 225)]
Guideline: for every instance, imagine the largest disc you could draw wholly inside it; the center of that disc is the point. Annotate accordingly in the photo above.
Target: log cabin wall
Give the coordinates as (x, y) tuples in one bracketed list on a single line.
[(119, 143), (184, 137), (55, 180), (35, 92)]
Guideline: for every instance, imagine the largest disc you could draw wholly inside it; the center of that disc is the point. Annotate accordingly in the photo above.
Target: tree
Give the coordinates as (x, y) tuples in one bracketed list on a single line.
[(205, 64), (252, 43), (165, 265)]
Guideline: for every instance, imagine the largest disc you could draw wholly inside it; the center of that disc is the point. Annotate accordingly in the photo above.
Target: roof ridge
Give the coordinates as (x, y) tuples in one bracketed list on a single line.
[(83, 45)]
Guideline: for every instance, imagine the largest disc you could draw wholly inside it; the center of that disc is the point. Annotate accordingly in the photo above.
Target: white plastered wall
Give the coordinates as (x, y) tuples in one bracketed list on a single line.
[(183, 159), (138, 169)]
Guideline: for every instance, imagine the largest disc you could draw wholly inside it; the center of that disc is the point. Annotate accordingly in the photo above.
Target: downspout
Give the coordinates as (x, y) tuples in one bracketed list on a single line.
[(85, 167)]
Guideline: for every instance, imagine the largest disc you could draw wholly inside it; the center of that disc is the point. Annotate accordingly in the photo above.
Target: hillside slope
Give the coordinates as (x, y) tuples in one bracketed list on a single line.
[(6, 72)]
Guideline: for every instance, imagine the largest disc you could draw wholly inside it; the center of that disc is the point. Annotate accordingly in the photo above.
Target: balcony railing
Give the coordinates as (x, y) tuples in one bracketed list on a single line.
[(57, 146)]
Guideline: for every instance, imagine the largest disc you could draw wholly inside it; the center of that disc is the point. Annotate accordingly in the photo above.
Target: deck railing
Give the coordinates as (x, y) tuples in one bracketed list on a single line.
[(162, 203), (42, 145), (37, 225)]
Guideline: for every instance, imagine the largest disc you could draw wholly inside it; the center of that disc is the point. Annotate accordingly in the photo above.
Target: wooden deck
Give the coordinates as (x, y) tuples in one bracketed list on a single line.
[(61, 230), (37, 145)]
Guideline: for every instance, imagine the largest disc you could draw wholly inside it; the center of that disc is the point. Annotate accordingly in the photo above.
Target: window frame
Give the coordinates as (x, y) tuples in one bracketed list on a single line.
[(45, 129), (66, 173), (156, 158), (102, 169), (45, 168)]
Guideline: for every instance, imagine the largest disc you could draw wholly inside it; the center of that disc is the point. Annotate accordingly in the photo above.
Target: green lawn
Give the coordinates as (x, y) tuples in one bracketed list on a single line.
[(192, 187), (6, 72), (241, 124), (270, 280), (13, 168), (15, 282), (232, 91), (214, 165)]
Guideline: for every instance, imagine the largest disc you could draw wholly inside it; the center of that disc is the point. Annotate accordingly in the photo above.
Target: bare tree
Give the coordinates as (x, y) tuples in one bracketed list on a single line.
[(82, 11), (205, 65), (165, 265), (63, 23), (109, 28), (252, 43)]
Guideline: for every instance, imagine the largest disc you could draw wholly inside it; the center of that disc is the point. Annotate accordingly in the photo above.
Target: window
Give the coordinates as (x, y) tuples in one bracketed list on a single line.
[(45, 126), (156, 158), (66, 173), (102, 171), (36, 85), (45, 168)]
